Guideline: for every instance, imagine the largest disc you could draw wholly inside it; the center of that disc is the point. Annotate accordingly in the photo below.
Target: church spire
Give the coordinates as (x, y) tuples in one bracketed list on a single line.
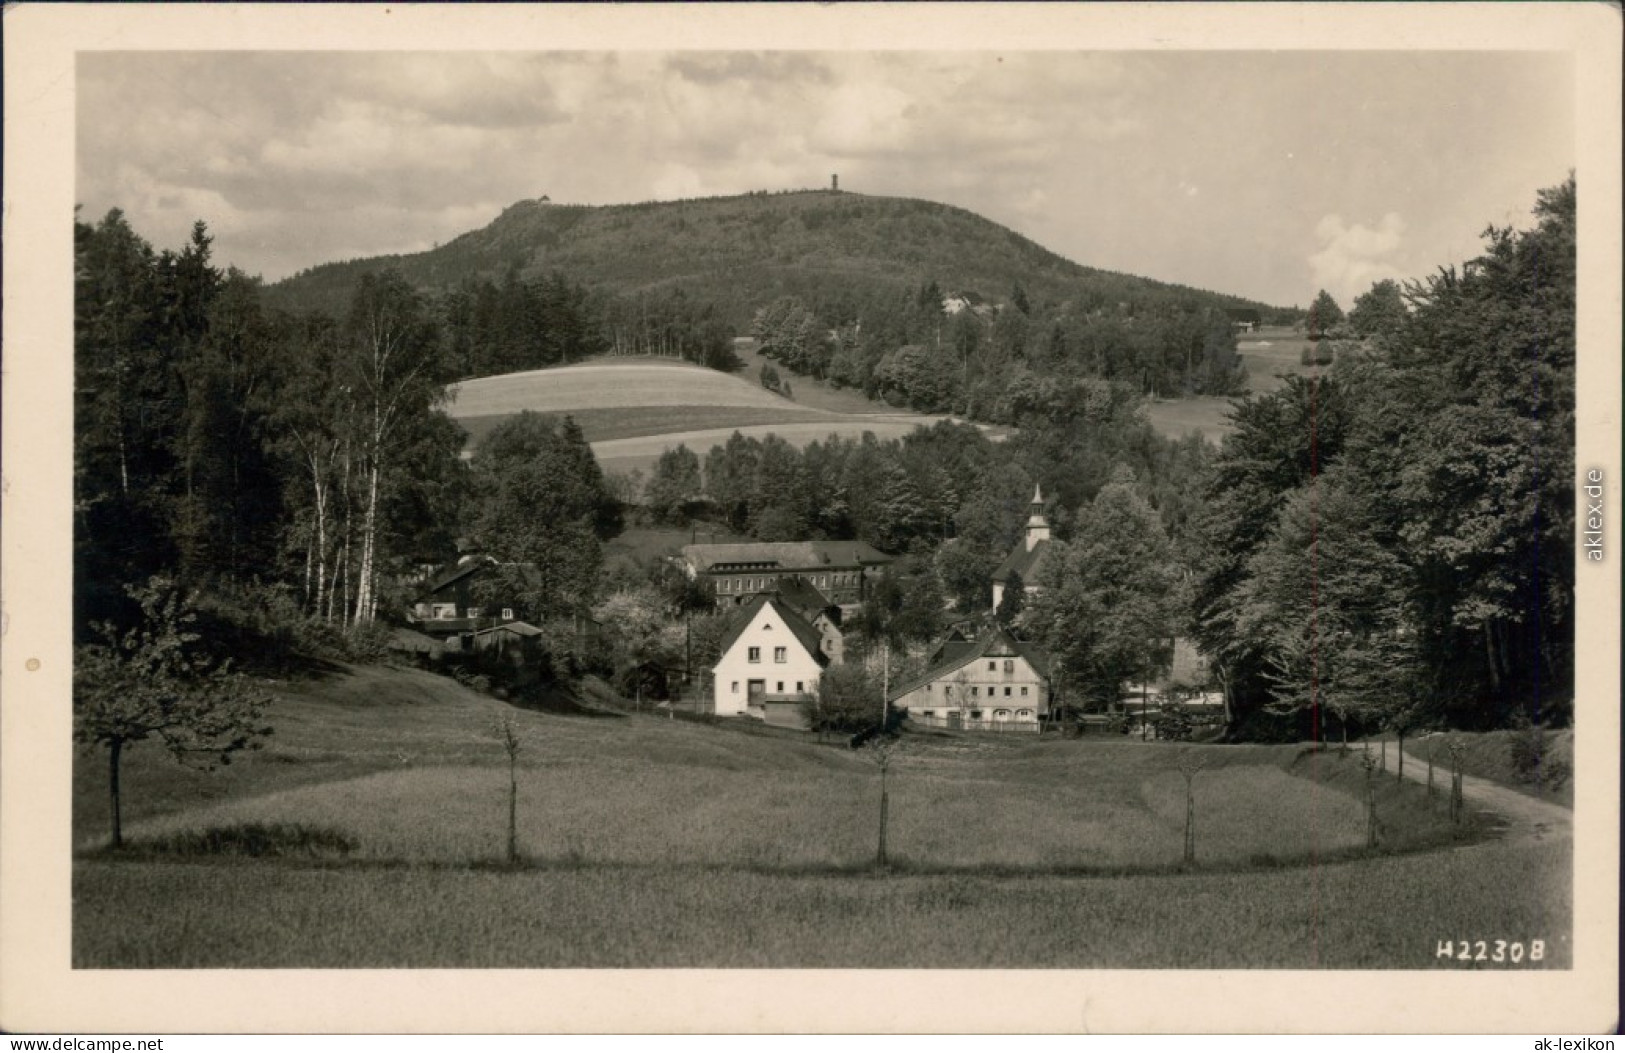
[(1037, 524)]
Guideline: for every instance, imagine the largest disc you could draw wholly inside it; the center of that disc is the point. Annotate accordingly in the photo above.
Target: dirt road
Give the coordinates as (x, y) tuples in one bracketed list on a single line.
[(1526, 817)]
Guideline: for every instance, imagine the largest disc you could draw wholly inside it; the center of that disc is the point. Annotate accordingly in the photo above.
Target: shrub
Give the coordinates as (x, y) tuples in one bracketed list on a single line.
[(368, 642), (1172, 723), (1529, 750), (258, 840)]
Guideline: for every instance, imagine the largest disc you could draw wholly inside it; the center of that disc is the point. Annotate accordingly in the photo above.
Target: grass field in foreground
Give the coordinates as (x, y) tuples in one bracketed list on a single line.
[(658, 843), (1383, 913), (1069, 806)]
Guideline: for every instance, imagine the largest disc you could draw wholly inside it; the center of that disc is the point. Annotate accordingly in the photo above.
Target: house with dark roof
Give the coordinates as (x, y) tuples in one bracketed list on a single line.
[(452, 607), (1244, 319), (447, 604), (994, 683), (770, 661), (820, 612), (510, 639), (1028, 556), (843, 571)]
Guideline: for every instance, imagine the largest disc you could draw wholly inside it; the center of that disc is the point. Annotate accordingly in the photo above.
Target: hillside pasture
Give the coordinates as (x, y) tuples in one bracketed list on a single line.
[(370, 832), (633, 409), (635, 422), (606, 384), (1271, 352), (1176, 418)]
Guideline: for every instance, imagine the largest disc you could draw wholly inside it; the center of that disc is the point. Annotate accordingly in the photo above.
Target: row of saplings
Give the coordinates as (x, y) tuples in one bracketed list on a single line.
[(155, 681), (882, 745)]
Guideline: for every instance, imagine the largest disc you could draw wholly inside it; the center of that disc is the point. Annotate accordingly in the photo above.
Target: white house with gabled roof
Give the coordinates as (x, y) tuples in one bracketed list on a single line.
[(771, 659)]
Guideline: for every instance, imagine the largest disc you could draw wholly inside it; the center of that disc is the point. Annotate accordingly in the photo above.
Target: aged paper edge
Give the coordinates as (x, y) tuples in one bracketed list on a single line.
[(40, 992)]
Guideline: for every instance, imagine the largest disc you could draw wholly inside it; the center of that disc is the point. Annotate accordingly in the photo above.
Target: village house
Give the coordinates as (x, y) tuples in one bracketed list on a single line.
[(993, 683), (1244, 319), (1028, 555), (449, 608), (966, 300), (843, 571), (819, 611), (770, 662), (447, 604), (508, 640)]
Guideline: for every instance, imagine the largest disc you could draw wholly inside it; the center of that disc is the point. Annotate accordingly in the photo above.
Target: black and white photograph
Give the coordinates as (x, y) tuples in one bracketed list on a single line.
[(1049, 507)]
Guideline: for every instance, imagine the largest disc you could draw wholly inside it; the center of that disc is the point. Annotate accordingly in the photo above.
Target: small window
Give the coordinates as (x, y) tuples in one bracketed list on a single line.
[(798, 687), (929, 713), (928, 689), (767, 627), (993, 667), (781, 654), (1024, 714), (754, 654), (473, 612), (1009, 665), (445, 610), (976, 714), (1023, 690), (974, 691), (735, 687), (948, 689), (780, 688), (507, 614)]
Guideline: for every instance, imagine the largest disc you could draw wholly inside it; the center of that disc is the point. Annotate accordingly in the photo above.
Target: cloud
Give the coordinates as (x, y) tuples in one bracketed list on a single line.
[(1353, 257), (1127, 160)]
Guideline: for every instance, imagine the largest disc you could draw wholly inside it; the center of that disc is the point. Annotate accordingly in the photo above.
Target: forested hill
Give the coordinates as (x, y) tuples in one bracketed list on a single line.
[(840, 253)]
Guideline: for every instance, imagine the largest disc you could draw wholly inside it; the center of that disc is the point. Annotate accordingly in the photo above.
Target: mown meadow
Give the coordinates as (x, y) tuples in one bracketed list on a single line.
[(371, 832), (631, 409)]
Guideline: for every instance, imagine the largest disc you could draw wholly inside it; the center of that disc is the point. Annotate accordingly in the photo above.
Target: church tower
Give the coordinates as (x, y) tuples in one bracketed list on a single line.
[(1037, 525)]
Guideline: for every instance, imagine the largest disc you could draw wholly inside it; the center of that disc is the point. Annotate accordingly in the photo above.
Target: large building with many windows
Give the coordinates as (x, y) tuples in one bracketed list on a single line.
[(994, 683), (844, 571)]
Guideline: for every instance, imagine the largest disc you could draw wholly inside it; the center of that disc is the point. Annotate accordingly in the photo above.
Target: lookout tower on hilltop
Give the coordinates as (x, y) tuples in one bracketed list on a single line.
[(835, 183)]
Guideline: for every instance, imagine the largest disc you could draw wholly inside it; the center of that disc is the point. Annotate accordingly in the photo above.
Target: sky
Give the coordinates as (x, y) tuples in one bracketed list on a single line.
[(1269, 175)]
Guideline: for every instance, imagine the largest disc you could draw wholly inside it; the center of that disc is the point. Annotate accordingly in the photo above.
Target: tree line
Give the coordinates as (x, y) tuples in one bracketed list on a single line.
[(1392, 544), (1387, 544), (948, 500), (295, 460), (1001, 362)]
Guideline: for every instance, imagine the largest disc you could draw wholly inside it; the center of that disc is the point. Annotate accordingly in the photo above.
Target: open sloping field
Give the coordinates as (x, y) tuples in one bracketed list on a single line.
[(1176, 418), (609, 425), (1268, 354), (633, 409), (370, 833), (607, 384)]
